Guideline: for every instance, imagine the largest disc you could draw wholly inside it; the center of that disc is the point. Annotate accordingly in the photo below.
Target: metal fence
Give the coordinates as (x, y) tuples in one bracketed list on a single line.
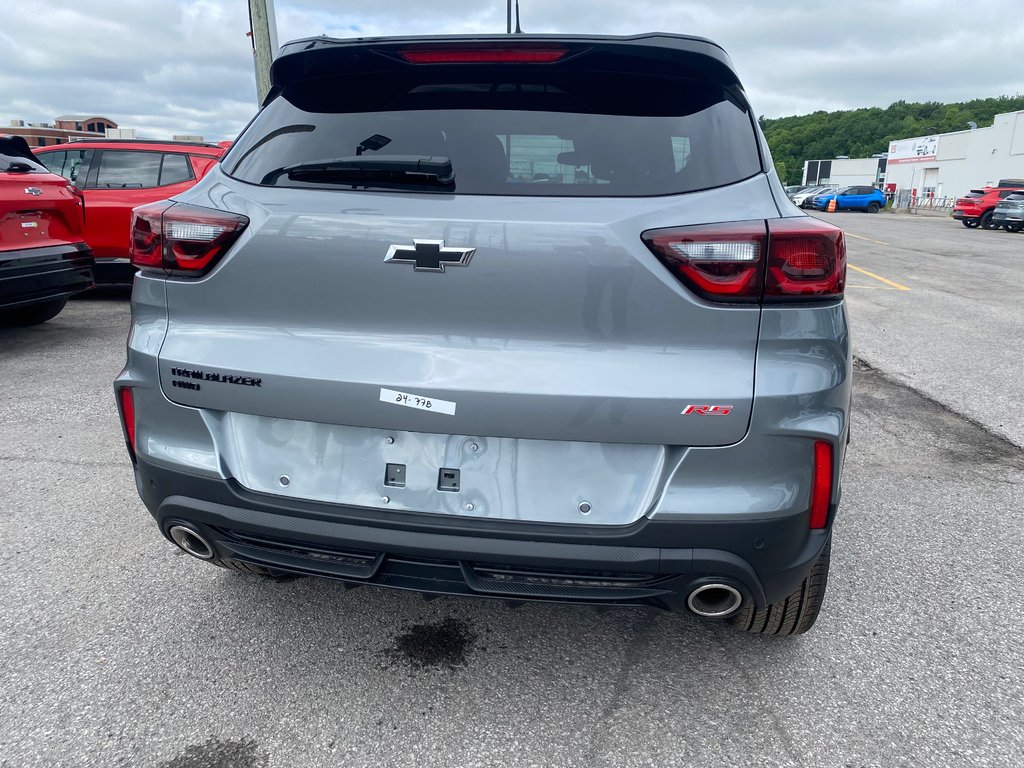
[(911, 204)]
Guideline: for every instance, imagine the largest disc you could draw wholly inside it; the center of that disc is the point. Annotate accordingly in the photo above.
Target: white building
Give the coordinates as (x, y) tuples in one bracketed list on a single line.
[(845, 171), (940, 165)]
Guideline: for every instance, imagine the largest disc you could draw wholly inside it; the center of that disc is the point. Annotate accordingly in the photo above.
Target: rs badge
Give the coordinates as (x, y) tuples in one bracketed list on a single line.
[(707, 410)]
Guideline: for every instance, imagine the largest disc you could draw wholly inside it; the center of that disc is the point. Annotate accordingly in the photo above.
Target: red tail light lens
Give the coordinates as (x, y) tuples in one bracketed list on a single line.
[(722, 262), (182, 239), (821, 486), (482, 55), (126, 401), (147, 245), (78, 226), (806, 260), (798, 259)]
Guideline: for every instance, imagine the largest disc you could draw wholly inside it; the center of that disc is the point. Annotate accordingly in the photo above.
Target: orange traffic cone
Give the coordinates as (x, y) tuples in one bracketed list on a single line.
[(832, 205)]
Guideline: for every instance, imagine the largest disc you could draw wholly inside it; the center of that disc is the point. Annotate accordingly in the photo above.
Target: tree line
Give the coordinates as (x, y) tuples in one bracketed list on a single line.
[(865, 132)]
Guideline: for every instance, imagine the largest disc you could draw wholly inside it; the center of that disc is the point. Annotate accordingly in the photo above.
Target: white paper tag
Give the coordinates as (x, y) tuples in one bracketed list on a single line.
[(423, 403)]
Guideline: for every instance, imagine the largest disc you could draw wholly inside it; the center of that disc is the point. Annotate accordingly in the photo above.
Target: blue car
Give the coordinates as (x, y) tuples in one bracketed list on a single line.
[(852, 198)]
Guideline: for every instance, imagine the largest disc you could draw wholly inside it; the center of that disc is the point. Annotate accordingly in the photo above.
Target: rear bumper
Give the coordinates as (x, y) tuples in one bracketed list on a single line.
[(964, 216), (648, 563), (114, 271), (34, 275)]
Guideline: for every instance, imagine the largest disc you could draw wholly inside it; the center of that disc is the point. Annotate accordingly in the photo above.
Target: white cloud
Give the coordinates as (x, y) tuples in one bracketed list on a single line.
[(172, 66)]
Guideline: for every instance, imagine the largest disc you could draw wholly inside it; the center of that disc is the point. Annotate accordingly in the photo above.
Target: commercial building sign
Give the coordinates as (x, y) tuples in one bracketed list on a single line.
[(914, 150)]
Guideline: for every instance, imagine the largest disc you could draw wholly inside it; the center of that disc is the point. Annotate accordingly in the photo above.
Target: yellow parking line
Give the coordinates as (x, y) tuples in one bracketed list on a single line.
[(897, 286), (879, 242), (875, 287)]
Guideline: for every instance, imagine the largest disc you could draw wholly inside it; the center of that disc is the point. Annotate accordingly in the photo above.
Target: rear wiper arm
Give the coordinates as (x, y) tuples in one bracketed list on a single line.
[(409, 169)]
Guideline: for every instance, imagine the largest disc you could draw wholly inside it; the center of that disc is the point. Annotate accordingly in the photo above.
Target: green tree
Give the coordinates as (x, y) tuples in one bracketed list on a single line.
[(864, 132)]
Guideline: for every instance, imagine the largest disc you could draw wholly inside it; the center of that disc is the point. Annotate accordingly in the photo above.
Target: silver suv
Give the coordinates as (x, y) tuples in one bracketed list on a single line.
[(526, 317)]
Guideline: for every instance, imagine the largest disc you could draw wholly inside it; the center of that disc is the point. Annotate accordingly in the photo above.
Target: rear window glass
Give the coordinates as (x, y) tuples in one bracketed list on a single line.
[(7, 160), (574, 135)]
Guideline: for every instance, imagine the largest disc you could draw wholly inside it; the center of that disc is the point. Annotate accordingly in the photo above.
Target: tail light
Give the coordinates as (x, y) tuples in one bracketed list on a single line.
[(482, 55), (806, 259), (126, 401), (181, 239), (797, 259), (722, 262), (79, 197), (821, 486)]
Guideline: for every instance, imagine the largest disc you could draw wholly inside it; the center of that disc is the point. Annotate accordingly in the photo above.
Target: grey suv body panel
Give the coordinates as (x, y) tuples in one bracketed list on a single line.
[(542, 336)]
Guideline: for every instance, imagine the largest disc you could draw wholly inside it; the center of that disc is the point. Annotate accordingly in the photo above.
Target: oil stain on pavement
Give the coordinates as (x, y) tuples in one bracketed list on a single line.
[(215, 753), (441, 645)]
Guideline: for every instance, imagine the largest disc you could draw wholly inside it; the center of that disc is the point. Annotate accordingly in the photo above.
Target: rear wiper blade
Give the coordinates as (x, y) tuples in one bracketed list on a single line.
[(409, 169)]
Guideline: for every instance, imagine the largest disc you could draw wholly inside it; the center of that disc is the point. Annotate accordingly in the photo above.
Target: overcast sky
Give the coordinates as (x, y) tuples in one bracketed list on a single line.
[(185, 66)]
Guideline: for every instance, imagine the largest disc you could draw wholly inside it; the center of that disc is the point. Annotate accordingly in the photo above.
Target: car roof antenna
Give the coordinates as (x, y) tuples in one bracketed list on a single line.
[(519, 30)]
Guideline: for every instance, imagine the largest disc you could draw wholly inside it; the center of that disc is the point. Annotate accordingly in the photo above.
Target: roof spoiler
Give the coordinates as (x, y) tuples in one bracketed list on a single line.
[(654, 53), (16, 146)]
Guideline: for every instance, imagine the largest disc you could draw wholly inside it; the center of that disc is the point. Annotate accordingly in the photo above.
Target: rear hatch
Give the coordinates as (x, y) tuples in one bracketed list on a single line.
[(970, 202), (448, 239), (561, 324), (38, 209)]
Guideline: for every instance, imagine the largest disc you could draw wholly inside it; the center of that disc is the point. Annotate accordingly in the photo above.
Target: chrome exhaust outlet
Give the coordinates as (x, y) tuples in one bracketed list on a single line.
[(190, 540), (713, 601)]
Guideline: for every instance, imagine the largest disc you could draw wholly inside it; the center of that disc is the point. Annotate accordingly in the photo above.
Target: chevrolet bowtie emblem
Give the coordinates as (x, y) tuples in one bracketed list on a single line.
[(33, 191), (429, 255)]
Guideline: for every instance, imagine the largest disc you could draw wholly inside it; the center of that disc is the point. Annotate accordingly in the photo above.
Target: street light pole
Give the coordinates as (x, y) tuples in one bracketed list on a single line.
[(264, 43)]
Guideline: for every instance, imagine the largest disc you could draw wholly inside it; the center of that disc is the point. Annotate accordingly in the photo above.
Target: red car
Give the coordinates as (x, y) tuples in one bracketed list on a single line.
[(976, 207), (43, 256), (116, 175)]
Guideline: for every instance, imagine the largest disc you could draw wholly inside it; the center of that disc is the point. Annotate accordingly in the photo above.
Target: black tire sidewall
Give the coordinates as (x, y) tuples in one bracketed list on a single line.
[(33, 314)]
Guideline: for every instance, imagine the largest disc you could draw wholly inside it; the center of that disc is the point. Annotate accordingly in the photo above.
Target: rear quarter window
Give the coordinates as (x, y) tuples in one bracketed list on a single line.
[(175, 169), (578, 135)]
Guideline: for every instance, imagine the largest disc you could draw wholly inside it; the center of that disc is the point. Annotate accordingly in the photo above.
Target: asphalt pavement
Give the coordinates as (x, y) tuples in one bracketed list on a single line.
[(942, 311), (118, 650)]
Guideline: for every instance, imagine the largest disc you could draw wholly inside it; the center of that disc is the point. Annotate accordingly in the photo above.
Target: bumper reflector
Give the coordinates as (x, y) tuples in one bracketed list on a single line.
[(821, 489)]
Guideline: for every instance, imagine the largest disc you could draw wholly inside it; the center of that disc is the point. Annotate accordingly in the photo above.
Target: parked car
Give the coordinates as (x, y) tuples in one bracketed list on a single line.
[(794, 188), (116, 175), (806, 197), (372, 345), (867, 199), (977, 207), (1009, 213), (43, 257)]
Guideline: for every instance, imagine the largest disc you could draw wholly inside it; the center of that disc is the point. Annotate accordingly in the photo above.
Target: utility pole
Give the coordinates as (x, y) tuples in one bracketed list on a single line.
[(264, 43)]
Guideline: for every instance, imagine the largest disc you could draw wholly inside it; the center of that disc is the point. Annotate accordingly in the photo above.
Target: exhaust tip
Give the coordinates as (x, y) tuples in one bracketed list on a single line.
[(191, 541), (714, 601)]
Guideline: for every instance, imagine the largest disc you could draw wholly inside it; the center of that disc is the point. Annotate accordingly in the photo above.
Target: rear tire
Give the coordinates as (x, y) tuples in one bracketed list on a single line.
[(985, 222), (796, 613), (970, 224), (33, 314), (873, 207), (1013, 227)]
